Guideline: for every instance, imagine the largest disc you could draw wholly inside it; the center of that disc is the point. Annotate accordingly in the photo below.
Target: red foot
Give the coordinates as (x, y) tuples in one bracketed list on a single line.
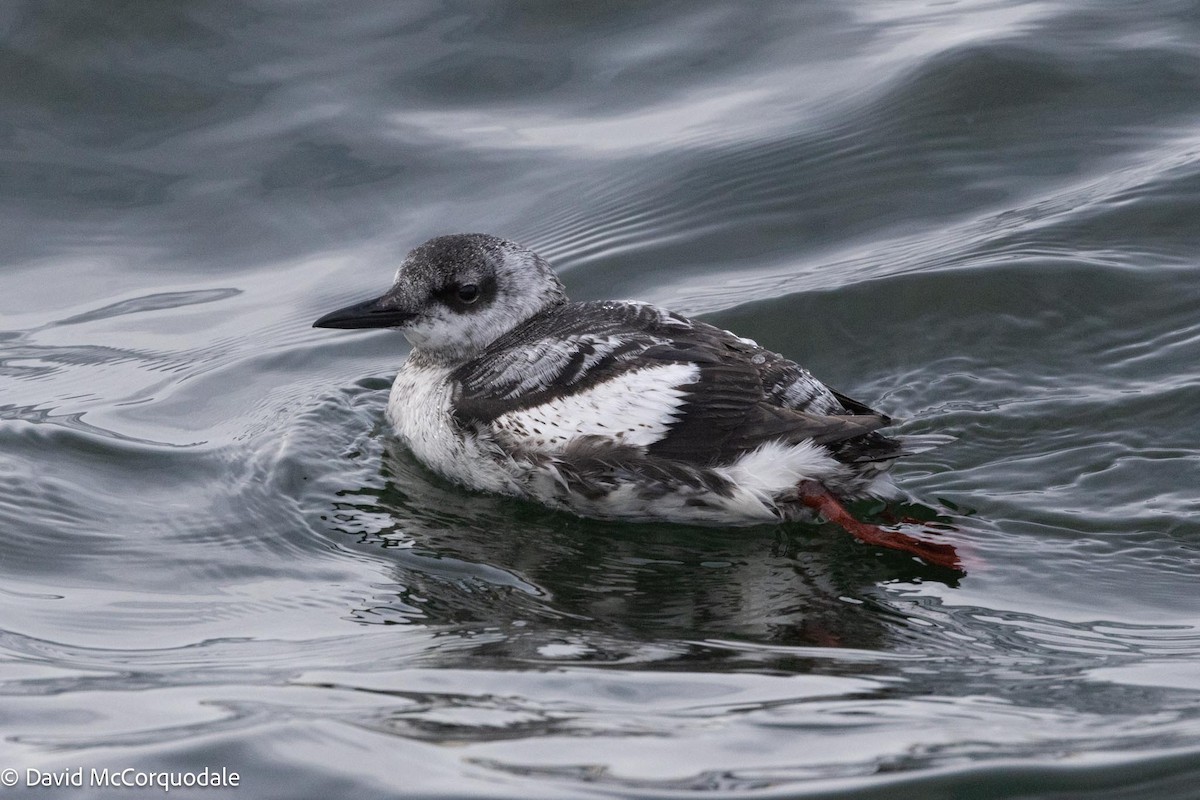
[(818, 497)]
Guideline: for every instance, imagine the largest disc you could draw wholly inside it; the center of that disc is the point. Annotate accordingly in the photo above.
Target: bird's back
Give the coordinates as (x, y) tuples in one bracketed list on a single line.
[(692, 392)]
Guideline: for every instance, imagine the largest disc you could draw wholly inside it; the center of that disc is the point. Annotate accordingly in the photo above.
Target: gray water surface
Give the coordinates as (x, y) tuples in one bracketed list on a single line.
[(982, 218)]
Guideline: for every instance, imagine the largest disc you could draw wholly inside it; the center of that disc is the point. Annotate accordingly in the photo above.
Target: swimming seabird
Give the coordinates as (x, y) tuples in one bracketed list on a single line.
[(617, 410)]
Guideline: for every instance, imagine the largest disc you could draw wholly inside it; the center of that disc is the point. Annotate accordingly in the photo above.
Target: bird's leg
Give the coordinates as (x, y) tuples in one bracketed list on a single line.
[(818, 498)]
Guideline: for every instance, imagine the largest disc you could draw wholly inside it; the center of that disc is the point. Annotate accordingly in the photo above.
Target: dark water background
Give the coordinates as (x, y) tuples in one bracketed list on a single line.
[(981, 217)]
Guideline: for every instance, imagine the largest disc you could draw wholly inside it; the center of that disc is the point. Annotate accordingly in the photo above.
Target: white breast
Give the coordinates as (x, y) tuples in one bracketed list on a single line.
[(419, 410)]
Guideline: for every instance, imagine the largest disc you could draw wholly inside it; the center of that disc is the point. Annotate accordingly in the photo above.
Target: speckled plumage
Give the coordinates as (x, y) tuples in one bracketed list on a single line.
[(607, 409)]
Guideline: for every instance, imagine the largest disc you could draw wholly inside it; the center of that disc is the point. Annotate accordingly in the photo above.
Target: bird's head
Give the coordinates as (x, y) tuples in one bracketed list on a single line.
[(454, 295)]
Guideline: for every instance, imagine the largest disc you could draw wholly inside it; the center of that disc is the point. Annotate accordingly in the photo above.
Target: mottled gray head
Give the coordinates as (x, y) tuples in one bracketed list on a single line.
[(455, 295)]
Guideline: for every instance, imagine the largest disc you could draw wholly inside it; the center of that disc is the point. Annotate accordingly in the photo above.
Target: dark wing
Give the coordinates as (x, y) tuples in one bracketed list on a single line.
[(563, 351), (738, 395), (727, 411)]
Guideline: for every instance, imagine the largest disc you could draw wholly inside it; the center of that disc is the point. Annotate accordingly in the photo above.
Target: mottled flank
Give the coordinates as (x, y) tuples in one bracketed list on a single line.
[(593, 467), (607, 409)]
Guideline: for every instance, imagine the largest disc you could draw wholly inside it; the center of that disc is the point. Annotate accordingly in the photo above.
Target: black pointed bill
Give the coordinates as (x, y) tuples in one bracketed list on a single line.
[(371, 314)]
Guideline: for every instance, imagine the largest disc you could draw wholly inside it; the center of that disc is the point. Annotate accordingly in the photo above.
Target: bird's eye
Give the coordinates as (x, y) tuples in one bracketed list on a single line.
[(468, 293)]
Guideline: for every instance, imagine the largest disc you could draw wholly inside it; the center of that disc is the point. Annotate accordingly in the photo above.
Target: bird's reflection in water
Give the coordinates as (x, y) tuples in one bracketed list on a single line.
[(558, 587)]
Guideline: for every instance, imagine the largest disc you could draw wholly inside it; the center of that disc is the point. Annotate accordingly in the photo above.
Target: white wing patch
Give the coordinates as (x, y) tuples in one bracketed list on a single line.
[(634, 408)]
